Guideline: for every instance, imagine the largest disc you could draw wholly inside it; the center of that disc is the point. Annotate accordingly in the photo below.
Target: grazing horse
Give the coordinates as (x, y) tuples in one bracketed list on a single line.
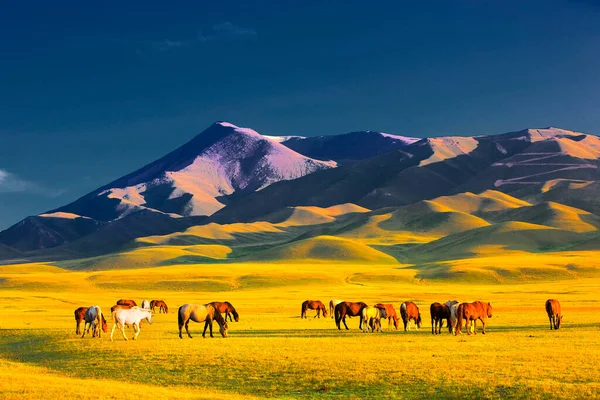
[(332, 304), (409, 311), (199, 313), (79, 316), (371, 318), (348, 308), (94, 318), (313, 305), (124, 302), (474, 311), (118, 307), (554, 313), (388, 311), (162, 306), (145, 304), (226, 308), (130, 316), (439, 313)]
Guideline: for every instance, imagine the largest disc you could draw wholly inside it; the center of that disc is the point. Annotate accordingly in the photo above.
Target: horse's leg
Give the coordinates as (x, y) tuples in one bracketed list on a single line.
[(122, 328), (551, 318), (136, 330), (187, 329), (84, 326), (483, 326), (113, 331), (344, 321)]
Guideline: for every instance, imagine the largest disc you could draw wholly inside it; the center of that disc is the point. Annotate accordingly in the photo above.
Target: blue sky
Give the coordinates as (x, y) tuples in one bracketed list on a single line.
[(90, 92)]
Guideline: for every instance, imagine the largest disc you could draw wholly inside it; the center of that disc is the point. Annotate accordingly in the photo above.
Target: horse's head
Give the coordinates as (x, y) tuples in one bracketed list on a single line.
[(558, 322), (324, 312), (104, 324), (419, 320), (489, 310), (223, 329)]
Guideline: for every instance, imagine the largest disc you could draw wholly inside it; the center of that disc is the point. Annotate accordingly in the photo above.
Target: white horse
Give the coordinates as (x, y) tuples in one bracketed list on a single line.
[(453, 305), (371, 318), (145, 304), (332, 304), (130, 316)]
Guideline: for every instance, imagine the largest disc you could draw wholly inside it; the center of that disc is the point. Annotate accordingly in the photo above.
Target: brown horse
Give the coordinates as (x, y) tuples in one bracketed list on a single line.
[(226, 308), (388, 311), (118, 307), (474, 311), (409, 311), (348, 308), (439, 313), (554, 313), (313, 305), (200, 313), (124, 302), (79, 316), (162, 306)]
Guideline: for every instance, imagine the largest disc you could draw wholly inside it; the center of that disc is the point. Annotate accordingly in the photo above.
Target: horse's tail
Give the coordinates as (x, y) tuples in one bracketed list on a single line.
[(338, 316), (459, 319), (180, 316)]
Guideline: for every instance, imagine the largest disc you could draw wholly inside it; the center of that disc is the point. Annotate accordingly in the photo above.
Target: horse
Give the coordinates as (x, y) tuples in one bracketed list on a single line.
[(124, 302), (474, 311), (94, 318), (388, 311), (227, 308), (371, 318), (118, 307), (130, 316), (313, 305), (439, 313), (145, 304), (201, 313), (332, 304), (554, 313), (162, 306), (409, 311), (79, 316), (348, 308)]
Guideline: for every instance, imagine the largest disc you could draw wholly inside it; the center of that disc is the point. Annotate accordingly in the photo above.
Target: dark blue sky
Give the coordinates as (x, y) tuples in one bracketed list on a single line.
[(91, 92)]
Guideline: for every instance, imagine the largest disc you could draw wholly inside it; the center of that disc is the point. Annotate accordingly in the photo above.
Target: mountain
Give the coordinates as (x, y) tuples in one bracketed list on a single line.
[(260, 198), (347, 147), (196, 178)]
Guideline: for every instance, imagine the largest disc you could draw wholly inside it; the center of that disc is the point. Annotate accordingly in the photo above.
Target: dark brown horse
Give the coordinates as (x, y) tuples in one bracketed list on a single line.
[(409, 311), (79, 316), (474, 311), (313, 305), (118, 307), (162, 306), (554, 313), (226, 308), (348, 308), (124, 302), (439, 313), (388, 311)]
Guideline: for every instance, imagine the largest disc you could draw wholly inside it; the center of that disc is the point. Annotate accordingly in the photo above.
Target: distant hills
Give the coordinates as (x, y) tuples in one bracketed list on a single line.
[(231, 194)]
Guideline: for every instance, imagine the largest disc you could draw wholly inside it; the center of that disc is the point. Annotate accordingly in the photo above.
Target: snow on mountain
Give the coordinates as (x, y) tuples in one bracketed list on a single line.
[(223, 160)]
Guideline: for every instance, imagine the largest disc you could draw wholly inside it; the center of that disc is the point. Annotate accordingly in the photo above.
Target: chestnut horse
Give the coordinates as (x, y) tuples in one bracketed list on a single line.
[(199, 313), (119, 307), (348, 308), (226, 308), (79, 316), (409, 311), (332, 304), (162, 306), (554, 313), (94, 318), (313, 305), (439, 313), (388, 311), (124, 302), (474, 311)]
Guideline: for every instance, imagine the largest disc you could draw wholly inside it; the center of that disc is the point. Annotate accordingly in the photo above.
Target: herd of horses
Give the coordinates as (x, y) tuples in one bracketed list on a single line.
[(127, 313), (456, 315)]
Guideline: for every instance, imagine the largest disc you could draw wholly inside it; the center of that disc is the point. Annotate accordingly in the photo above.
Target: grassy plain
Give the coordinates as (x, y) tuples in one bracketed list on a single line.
[(271, 352)]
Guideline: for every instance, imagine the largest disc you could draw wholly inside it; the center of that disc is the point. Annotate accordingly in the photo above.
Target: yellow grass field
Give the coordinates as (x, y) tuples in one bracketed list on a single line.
[(271, 352)]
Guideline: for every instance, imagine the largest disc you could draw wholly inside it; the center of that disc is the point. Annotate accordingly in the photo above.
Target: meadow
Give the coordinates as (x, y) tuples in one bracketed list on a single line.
[(271, 352)]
